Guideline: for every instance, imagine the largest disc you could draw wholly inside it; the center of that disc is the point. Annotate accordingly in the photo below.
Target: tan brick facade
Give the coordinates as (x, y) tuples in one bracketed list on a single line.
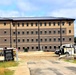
[(27, 33)]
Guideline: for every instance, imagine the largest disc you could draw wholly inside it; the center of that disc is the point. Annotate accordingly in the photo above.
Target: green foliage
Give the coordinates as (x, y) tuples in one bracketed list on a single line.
[(8, 64), (4, 71), (8, 72), (74, 39), (73, 61)]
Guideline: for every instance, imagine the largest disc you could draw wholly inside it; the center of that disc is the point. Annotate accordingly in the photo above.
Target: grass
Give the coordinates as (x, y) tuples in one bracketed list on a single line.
[(8, 64), (4, 65), (4, 71), (73, 61)]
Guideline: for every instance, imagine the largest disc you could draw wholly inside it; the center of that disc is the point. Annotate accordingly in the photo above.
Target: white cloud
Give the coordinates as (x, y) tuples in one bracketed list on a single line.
[(6, 2), (72, 3), (64, 13), (26, 5), (10, 13)]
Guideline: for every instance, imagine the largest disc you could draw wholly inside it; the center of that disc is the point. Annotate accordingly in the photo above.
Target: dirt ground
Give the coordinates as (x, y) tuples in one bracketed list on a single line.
[(36, 56), (23, 69), (42, 63)]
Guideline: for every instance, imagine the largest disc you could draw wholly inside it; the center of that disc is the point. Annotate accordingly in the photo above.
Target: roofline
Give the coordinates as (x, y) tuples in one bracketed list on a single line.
[(38, 19)]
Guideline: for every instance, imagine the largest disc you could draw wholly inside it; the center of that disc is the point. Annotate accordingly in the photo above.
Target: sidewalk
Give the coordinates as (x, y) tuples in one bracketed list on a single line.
[(22, 69)]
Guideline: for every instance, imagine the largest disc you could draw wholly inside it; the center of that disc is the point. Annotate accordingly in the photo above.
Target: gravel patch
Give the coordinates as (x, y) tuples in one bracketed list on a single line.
[(55, 71), (54, 62), (72, 68), (31, 63)]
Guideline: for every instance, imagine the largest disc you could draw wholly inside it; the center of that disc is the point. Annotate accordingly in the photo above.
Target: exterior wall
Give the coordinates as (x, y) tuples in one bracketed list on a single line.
[(5, 34)]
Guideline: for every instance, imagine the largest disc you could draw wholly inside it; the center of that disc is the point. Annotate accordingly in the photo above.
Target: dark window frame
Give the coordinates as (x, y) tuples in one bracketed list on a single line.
[(4, 23), (18, 40), (45, 24), (23, 32), (18, 24), (49, 23), (27, 40), (22, 24), (46, 47), (54, 39), (54, 32), (63, 23), (31, 24), (54, 23), (69, 31)]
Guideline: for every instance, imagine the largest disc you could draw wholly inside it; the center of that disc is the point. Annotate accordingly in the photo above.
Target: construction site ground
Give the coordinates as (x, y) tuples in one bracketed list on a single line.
[(42, 63)]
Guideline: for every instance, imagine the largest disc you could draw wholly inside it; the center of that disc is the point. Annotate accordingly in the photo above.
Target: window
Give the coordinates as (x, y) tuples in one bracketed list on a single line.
[(18, 33), (58, 23), (63, 23), (23, 47), (19, 48), (40, 32), (40, 24), (50, 47), (45, 32), (27, 40), (36, 40), (13, 32), (27, 47), (54, 23), (14, 40), (4, 24), (50, 39), (63, 31), (41, 40), (32, 40), (69, 31), (58, 32), (49, 32), (13, 24), (54, 47), (18, 24), (58, 39), (32, 47), (36, 24), (37, 47), (5, 47), (31, 24), (36, 32), (45, 47), (23, 40), (18, 40), (44, 24), (54, 32), (27, 32), (32, 32), (63, 39), (27, 24), (69, 23), (45, 40), (5, 32), (22, 24), (58, 46), (70, 39), (54, 39), (5, 39), (49, 23), (23, 32)]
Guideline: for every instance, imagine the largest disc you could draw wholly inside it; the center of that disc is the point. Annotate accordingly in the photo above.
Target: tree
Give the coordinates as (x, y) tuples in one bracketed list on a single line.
[(74, 39)]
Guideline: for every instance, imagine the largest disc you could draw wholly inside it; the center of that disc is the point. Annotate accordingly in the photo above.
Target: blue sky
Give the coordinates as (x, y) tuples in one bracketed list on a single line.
[(23, 8)]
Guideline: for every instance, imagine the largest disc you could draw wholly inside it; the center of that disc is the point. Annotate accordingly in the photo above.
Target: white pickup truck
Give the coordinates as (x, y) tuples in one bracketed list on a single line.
[(66, 49)]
